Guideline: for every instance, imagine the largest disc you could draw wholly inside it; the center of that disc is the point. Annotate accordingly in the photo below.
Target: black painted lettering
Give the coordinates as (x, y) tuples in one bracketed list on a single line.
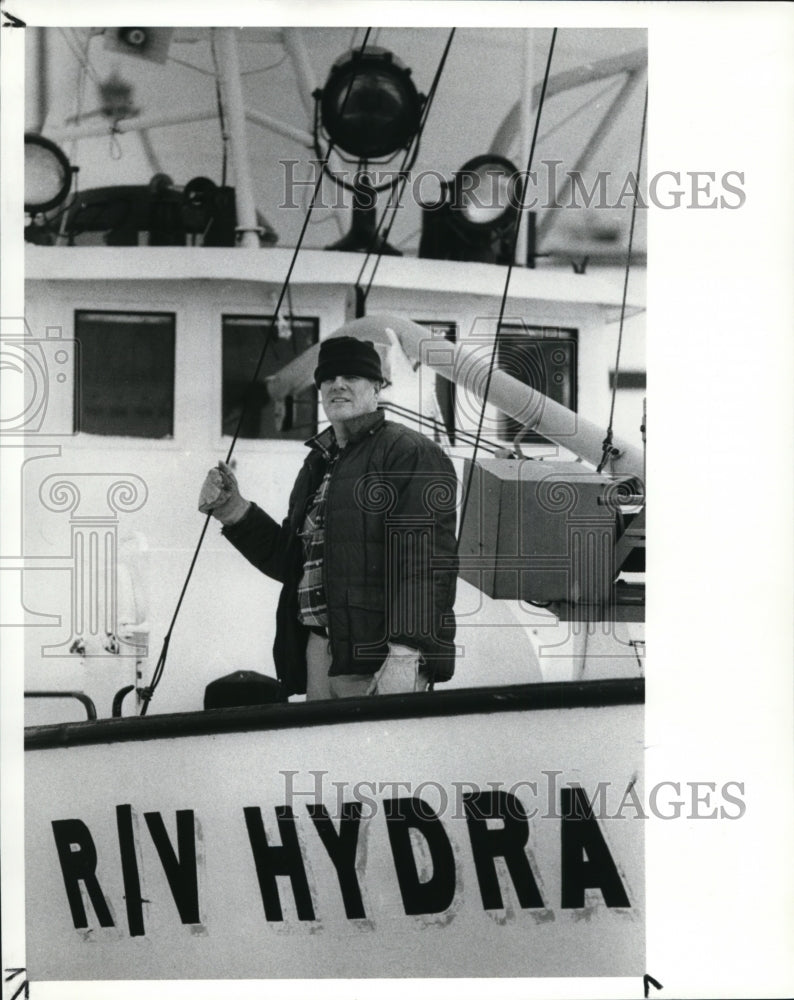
[(129, 871), (586, 861), (180, 868), (436, 893), (341, 849), (505, 842), (78, 858), (283, 859)]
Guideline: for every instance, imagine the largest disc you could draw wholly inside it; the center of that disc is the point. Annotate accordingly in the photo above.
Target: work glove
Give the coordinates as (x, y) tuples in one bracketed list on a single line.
[(220, 496)]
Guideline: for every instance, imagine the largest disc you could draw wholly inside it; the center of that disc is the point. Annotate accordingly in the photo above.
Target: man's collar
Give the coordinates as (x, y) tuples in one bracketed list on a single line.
[(357, 428)]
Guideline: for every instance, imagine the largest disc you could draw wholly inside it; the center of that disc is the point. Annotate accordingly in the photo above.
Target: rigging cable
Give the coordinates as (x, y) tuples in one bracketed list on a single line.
[(403, 177), (146, 694), (503, 303), (221, 116), (607, 443), (465, 437), (190, 65), (81, 55), (85, 69)]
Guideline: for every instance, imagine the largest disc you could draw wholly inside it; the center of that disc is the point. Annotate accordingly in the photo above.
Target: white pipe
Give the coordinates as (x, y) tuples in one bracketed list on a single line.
[(281, 128), (605, 126), (232, 91), (304, 71), (467, 368), (102, 128), (604, 68), (42, 78)]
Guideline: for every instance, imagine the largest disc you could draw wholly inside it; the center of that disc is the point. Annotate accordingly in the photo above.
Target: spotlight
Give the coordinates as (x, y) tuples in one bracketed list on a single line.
[(136, 38), (48, 174), (144, 43), (165, 225), (370, 109), (198, 204), (199, 209), (486, 194), (211, 212), (369, 106), (168, 214), (476, 215)]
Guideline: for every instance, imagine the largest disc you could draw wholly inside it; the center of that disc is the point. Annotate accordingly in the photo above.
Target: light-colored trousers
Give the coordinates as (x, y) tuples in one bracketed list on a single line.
[(400, 674)]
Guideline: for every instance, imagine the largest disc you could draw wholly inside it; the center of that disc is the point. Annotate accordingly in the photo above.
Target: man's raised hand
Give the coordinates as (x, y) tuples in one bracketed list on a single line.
[(220, 496)]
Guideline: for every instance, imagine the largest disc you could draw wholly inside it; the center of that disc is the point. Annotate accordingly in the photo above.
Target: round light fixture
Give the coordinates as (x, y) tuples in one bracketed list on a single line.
[(486, 193), (48, 174), (136, 38), (476, 216), (198, 204), (369, 106)]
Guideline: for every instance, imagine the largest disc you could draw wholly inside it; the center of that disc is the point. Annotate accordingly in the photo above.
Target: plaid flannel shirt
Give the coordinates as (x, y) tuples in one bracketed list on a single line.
[(312, 607)]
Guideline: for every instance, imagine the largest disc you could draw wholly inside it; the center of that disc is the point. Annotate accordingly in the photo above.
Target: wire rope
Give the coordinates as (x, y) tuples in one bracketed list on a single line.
[(413, 147), (492, 363), (147, 693), (607, 443)]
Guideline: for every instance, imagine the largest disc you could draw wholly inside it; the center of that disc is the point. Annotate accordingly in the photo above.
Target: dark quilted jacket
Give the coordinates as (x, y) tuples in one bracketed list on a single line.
[(390, 566)]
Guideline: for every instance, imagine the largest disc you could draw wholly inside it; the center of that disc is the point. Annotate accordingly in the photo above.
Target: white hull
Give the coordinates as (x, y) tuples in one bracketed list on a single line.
[(227, 772)]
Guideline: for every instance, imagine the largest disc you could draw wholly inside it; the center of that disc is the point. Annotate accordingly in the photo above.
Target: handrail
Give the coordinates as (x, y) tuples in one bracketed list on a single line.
[(546, 696), (437, 425), (87, 703)]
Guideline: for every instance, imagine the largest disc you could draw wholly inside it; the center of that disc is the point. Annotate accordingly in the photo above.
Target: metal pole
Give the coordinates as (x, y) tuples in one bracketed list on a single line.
[(96, 129), (235, 115), (567, 80), (42, 79), (634, 80), (527, 104), (280, 128), (304, 72)]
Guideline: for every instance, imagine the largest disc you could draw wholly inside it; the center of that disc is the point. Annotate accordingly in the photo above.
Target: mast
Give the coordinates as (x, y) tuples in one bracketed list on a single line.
[(235, 109)]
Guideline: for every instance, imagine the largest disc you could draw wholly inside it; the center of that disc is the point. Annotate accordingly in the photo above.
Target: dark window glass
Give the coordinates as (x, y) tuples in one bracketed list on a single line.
[(243, 340), (542, 357), (445, 390), (125, 377)]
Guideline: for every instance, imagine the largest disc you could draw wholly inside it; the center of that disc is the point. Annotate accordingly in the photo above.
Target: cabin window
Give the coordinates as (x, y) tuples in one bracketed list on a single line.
[(542, 357), (445, 390), (124, 383), (244, 337)]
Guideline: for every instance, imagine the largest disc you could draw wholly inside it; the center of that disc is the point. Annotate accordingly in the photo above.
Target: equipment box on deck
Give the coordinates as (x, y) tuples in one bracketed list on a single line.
[(541, 531)]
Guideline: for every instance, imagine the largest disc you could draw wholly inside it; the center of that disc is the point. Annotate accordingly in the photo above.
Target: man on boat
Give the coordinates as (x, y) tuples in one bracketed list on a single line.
[(366, 554)]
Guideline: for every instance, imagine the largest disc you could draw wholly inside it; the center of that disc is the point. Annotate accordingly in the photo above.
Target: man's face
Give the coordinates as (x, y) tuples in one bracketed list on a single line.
[(348, 396)]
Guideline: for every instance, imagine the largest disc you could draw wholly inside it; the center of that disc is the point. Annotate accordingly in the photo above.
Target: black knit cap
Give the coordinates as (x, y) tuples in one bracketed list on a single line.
[(347, 356)]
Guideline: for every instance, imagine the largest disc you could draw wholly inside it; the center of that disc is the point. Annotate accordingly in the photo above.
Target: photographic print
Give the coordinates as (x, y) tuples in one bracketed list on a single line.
[(325, 544)]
